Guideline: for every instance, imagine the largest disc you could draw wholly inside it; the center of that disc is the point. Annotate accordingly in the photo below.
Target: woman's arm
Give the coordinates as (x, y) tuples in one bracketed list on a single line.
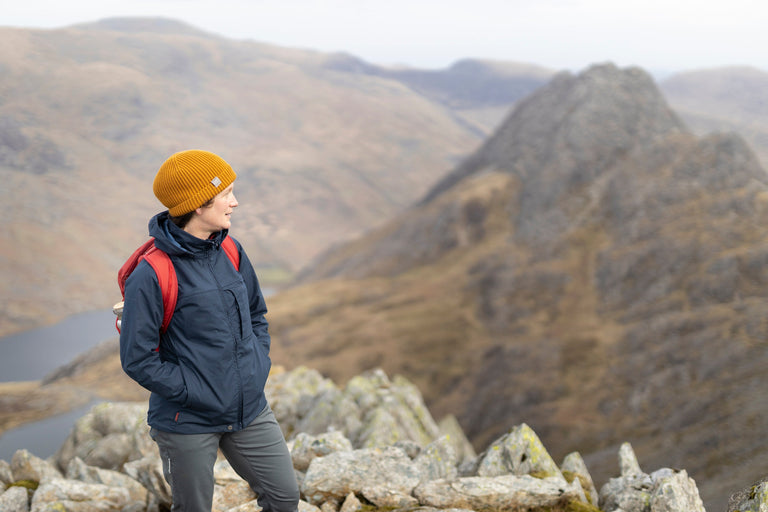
[(140, 337)]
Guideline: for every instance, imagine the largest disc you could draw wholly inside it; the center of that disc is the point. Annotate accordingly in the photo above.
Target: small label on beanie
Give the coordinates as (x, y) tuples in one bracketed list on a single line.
[(216, 181)]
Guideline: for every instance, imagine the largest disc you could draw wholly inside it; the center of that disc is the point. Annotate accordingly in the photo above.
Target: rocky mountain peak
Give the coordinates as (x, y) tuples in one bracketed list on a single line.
[(568, 132), (559, 148), (592, 261)]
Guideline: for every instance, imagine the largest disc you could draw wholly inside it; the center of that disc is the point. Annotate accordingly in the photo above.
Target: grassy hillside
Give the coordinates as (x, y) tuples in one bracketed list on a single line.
[(89, 113), (594, 270)]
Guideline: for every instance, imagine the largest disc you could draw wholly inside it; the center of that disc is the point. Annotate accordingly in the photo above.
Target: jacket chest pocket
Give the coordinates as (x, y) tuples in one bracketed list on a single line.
[(238, 310)]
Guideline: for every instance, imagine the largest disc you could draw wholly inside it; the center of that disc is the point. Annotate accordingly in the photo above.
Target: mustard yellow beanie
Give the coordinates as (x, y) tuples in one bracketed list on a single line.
[(190, 178)]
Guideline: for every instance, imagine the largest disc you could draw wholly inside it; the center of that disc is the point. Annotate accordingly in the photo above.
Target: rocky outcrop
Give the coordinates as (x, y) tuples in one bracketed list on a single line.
[(754, 497), (594, 268), (665, 489), (375, 445)]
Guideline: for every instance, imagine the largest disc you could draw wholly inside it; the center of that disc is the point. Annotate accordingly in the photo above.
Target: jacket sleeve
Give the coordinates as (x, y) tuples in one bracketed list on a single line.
[(256, 300), (140, 337)]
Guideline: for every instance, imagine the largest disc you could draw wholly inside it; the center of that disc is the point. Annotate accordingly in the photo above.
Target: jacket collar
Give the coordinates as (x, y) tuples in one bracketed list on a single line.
[(173, 240)]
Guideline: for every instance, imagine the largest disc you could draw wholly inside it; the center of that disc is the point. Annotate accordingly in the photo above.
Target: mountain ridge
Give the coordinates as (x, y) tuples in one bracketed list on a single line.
[(133, 25), (90, 112), (82, 104), (619, 272), (680, 299), (523, 144)]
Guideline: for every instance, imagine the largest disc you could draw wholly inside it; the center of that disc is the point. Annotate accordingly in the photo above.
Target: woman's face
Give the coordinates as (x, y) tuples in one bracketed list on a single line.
[(212, 219)]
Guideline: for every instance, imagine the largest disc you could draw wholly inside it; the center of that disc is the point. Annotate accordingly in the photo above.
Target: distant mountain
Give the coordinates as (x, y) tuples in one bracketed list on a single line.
[(723, 99), (468, 83), (135, 26), (480, 92), (594, 269), (88, 114)]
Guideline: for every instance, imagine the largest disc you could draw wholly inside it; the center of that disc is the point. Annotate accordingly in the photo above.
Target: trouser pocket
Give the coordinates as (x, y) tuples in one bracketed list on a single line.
[(188, 461)]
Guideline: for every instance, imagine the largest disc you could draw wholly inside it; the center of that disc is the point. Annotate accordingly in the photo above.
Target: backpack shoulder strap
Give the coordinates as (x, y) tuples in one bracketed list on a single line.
[(233, 254), (169, 284), (130, 264), (166, 276), (166, 273)]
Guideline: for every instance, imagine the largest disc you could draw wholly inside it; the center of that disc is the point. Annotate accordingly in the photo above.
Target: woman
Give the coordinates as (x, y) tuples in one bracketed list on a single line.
[(207, 371)]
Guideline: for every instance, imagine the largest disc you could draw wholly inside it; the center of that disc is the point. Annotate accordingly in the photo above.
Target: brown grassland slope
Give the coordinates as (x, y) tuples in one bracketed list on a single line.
[(88, 114), (594, 270)]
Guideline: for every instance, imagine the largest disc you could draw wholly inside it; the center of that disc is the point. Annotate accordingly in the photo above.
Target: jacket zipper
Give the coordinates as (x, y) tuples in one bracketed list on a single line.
[(235, 344)]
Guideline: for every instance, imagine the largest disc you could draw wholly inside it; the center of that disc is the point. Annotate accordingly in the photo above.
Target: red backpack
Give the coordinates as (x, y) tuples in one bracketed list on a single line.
[(166, 276)]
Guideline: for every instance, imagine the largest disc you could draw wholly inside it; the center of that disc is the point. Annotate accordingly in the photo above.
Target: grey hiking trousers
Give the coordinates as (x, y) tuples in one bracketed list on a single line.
[(258, 453)]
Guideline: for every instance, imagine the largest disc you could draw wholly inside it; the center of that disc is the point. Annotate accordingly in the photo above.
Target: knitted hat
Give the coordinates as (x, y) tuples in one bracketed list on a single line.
[(190, 178)]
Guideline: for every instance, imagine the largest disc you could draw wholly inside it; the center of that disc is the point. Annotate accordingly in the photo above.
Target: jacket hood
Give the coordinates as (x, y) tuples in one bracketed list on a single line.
[(173, 240)]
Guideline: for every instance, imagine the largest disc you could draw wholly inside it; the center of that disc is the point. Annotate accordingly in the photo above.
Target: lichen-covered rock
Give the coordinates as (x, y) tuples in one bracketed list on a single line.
[(626, 493), (75, 496), (6, 475), (250, 506), (519, 452), (79, 470), (338, 474), (330, 410), (628, 464), (371, 411), (290, 395), (412, 448), (332, 505), (416, 413), (433, 509), (351, 504), (514, 473), (449, 426), (573, 464), (307, 507), (226, 497), (385, 497), (26, 466), (366, 389), (305, 447), (253, 506), (379, 428), (664, 490), (499, 493), (149, 472), (674, 491), (391, 411), (754, 498), (14, 499), (108, 436), (437, 460)]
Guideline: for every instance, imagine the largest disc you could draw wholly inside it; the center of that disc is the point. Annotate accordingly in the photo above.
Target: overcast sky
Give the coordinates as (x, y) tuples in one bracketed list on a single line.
[(659, 35)]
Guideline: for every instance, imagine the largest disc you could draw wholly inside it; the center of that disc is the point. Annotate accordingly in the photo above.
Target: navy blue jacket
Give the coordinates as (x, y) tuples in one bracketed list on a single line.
[(213, 361)]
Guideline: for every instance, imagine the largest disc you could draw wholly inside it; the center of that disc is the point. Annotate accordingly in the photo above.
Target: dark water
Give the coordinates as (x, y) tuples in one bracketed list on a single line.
[(42, 438), (31, 355)]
